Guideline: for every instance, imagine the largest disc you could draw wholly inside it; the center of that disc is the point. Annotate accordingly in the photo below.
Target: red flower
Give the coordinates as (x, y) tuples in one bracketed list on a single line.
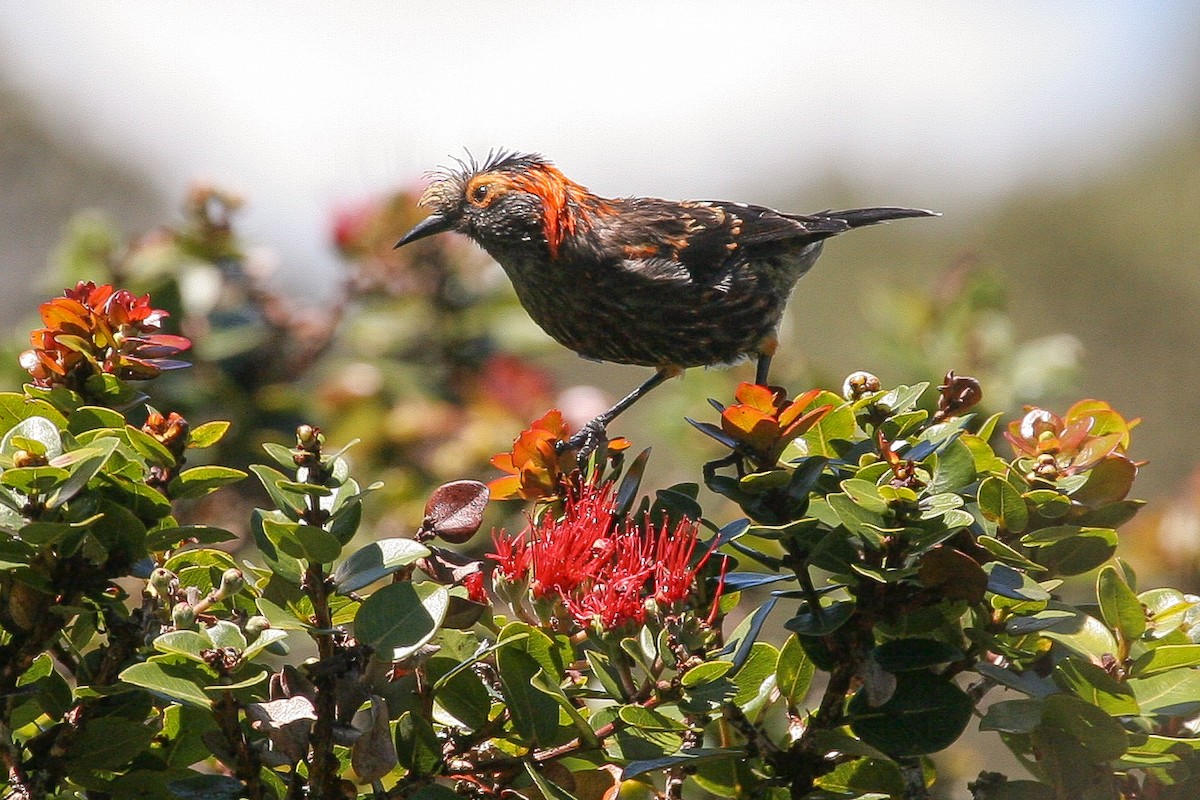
[(598, 567), (97, 329)]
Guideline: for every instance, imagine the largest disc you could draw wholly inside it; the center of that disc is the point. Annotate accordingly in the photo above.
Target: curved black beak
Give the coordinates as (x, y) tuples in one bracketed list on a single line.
[(434, 223)]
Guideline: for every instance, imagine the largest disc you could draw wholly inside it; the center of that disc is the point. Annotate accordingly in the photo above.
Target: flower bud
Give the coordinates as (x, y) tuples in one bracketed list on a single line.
[(232, 582), (860, 384), (183, 616), (162, 582), (256, 625)]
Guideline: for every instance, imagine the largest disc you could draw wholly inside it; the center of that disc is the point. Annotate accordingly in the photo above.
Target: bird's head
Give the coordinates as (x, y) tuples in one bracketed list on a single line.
[(509, 201)]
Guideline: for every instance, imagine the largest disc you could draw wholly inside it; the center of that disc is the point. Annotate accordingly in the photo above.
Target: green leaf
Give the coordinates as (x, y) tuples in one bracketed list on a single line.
[(819, 440), (955, 469), (706, 672), (1070, 550), (292, 505), (925, 713), (280, 617), (1007, 582), (400, 618), (794, 671), (1167, 609), (534, 713), (1166, 657), (864, 775), (36, 434), (1003, 504), (649, 719), (550, 791), (865, 494), (226, 635), (172, 680), (207, 434), (1076, 630), (199, 481), (1098, 733), (1091, 683), (683, 757), (83, 465), (1012, 716), (859, 521), (107, 744), (319, 545), (462, 694), (189, 644), (375, 561), (1175, 693), (417, 746), (177, 536), (755, 680), (901, 655), (1119, 605), (17, 407)]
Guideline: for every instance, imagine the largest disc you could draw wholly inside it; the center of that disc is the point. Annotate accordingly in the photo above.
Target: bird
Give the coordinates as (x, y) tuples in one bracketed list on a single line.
[(635, 280)]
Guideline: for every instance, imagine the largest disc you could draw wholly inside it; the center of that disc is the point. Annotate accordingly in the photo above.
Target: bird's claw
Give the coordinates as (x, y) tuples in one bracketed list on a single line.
[(586, 440)]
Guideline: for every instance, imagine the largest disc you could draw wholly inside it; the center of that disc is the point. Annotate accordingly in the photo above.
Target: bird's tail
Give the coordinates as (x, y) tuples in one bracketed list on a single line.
[(858, 217)]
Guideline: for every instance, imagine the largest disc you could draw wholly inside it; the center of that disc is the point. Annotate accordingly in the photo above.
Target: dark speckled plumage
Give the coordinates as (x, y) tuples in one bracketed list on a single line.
[(639, 280), (636, 280)]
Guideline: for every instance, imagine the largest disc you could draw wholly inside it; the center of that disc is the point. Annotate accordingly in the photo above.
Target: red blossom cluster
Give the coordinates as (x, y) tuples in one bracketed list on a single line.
[(601, 568), (98, 329)]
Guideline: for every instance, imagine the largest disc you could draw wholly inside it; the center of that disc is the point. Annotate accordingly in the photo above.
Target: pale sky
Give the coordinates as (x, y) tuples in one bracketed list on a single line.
[(302, 105)]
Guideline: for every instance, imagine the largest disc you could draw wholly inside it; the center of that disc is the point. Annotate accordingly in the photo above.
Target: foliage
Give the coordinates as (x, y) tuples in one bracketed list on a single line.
[(908, 561)]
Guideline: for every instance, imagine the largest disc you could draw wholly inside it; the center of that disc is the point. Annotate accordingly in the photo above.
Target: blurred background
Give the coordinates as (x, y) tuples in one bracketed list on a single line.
[(252, 164)]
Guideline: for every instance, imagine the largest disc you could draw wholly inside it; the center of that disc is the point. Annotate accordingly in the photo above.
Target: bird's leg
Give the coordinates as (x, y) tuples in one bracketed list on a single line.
[(766, 349), (764, 367), (589, 437)]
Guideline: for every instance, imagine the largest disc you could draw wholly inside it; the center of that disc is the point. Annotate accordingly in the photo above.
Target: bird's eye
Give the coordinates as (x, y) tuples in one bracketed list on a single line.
[(480, 193)]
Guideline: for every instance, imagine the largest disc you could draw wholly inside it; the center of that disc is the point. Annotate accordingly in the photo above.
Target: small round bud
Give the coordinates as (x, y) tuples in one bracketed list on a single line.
[(860, 384), (183, 616), (256, 625), (232, 582), (161, 582)]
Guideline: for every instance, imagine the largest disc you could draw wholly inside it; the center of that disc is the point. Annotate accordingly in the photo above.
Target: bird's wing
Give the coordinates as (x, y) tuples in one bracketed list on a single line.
[(701, 241)]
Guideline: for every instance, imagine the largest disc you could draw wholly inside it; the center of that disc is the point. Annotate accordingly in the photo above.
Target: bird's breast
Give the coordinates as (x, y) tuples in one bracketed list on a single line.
[(607, 313)]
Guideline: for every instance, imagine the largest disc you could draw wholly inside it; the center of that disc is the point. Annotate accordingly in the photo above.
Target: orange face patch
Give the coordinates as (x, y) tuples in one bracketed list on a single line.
[(482, 189)]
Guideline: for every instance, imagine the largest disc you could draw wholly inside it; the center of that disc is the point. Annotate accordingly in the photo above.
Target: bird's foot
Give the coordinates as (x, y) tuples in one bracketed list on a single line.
[(586, 440)]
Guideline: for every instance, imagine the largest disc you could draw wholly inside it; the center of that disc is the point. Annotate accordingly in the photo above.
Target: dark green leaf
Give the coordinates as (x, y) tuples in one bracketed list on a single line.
[(925, 713), (401, 617), (900, 655), (417, 746), (176, 536), (375, 561), (688, 757), (864, 775), (1012, 716), (1119, 605), (107, 744), (1175, 693), (955, 469), (794, 671), (1093, 729), (1003, 504), (171, 680), (1091, 683)]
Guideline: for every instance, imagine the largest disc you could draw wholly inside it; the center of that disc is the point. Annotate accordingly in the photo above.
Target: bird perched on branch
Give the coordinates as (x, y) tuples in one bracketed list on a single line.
[(636, 280)]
